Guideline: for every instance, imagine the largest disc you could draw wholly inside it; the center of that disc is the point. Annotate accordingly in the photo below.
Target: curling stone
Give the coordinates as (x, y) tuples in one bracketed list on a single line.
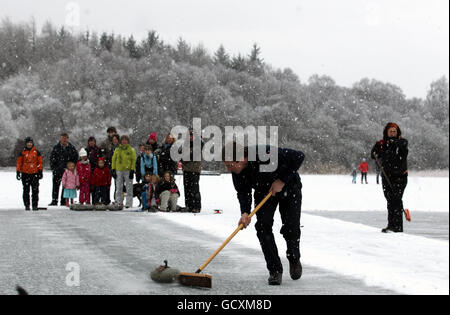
[(164, 274)]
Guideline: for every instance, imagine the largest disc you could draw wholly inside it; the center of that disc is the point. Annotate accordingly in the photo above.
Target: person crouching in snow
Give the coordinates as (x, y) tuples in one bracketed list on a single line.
[(29, 169), (101, 180), (149, 193), (168, 193), (70, 182), (84, 172)]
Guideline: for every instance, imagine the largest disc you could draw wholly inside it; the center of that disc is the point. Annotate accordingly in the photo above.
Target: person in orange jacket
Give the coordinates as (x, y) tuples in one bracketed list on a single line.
[(363, 168), (29, 169)]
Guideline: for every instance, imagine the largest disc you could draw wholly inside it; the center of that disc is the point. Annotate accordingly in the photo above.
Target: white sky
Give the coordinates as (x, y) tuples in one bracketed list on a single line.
[(404, 42)]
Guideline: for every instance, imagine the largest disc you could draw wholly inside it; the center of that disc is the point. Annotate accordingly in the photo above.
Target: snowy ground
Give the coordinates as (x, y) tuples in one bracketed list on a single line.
[(343, 251)]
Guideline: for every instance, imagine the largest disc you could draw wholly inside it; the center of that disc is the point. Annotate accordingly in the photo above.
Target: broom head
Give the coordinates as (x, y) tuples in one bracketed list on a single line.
[(195, 279)]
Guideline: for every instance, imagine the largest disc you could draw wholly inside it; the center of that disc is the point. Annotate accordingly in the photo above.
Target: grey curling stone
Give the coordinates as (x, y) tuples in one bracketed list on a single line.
[(79, 207), (115, 207), (100, 207), (164, 274)]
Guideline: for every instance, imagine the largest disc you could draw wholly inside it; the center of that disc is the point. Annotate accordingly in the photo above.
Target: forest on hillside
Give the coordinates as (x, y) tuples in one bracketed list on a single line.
[(53, 81)]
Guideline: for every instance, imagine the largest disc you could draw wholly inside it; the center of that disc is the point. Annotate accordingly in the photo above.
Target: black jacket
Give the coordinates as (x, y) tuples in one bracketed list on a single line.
[(289, 161), (393, 154), (165, 161), (163, 186), (60, 156)]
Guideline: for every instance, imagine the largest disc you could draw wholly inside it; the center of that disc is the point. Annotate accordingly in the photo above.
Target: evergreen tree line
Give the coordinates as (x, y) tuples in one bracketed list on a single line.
[(55, 81)]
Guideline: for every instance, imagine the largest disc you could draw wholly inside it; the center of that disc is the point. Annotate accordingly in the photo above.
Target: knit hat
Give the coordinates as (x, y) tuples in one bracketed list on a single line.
[(101, 159), (83, 152), (153, 137), (28, 139)]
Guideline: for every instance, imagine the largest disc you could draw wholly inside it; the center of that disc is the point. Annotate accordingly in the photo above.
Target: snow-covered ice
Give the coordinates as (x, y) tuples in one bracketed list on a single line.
[(355, 257)]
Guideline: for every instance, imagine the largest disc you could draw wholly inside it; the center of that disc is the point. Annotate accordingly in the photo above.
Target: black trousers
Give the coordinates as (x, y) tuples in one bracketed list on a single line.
[(363, 176), (57, 178), (289, 201), (30, 181), (192, 197), (394, 197), (101, 195)]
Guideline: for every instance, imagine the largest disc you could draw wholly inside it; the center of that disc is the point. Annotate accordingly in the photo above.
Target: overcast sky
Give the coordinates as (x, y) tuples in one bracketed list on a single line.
[(404, 42)]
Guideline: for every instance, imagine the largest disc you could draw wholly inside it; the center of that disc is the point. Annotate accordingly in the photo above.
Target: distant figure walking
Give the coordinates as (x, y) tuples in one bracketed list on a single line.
[(363, 168), (354, 174)]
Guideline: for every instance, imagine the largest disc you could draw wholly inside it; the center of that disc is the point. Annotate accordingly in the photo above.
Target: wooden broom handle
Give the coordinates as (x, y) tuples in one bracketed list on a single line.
[(234, 233)]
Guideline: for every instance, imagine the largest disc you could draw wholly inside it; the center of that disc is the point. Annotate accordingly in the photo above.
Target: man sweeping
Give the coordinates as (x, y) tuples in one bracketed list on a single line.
[(249, 172)]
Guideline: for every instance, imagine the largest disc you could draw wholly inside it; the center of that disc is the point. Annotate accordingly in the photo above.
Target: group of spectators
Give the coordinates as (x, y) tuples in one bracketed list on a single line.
[(91, 169)]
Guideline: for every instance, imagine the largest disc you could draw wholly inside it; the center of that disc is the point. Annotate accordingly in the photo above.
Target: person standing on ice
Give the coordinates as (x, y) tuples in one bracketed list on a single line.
[(62, 153), (392, 153), (123, 167), (363, 168), (29, 169), (286, 193)]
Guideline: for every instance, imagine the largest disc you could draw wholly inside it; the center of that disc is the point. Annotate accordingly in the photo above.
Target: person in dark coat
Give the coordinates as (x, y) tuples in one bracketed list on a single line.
[(392, 153), (286, 193), (94, 152), (166, 163), (191, 179), (61, 154)]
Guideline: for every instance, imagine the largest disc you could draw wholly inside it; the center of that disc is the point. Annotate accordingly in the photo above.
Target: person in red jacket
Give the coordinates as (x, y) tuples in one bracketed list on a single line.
[(29, 169), (363, 168), (101, 180)]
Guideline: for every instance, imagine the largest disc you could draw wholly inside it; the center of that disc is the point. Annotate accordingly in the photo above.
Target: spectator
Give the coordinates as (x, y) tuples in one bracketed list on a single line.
[(149, 163), (93, 152), (168, 193), (363, 168), (165, 160), (150, 192), (29, 169), (70, 182), (85, 173), (153, 142), (141, 153), (115, 144), (101, 180), (61, 154), (191, 179), (106, 146), (123, 167), (354, 174)]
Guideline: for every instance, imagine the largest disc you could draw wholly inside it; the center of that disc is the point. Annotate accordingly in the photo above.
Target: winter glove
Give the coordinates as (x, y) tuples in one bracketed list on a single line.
[(40, 175), (158, 201), (174, 190), (114, 174), (19, 176), (131, 174)]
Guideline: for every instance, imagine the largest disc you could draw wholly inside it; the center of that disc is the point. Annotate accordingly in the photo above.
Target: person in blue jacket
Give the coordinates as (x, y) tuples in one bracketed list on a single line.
[(149, 163), (286, 188)]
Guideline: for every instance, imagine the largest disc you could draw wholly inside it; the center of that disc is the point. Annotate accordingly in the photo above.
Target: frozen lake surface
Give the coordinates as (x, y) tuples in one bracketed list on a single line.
[(343, 251)]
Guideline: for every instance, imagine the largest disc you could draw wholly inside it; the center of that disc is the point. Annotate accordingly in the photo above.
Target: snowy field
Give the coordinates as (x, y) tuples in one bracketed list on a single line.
[(340, 255)]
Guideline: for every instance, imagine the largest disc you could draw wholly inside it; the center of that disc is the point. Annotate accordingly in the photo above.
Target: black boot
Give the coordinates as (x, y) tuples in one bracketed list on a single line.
[(53, 203), (27, 208), (295, 269), (275, 278)]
